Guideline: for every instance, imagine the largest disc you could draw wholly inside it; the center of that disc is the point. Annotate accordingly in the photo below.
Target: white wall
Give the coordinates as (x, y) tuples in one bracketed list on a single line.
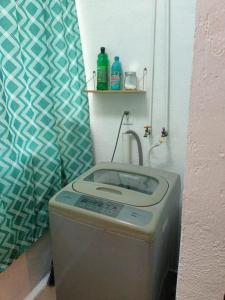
[(202, 259), (125, 28)]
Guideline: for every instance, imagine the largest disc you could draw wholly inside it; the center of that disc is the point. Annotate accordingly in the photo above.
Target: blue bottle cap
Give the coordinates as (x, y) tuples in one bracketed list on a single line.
[(117, 58)]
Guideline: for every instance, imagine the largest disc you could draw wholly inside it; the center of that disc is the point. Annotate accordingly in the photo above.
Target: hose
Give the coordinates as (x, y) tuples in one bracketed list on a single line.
[(140, 152)]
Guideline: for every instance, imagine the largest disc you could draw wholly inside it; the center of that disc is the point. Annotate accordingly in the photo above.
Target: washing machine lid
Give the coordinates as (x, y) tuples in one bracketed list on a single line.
[(129, 184)]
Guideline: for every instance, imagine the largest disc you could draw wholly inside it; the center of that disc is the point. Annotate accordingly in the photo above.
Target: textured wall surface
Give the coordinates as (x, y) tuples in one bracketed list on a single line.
[(202, 261), (125, 28)]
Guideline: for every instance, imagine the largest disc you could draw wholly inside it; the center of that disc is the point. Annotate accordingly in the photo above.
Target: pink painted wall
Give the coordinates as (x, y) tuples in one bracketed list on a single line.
[(202, 261), (20, 278)]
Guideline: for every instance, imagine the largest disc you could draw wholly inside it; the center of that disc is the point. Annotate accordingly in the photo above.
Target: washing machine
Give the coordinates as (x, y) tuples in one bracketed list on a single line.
[(114, 233)]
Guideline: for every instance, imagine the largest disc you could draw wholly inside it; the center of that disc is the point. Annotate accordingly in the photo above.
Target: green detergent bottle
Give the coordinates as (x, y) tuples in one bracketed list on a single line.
[(102, 70)]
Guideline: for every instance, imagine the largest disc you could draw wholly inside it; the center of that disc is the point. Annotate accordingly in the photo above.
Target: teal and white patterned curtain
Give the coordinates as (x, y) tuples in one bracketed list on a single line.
[(44, 118)]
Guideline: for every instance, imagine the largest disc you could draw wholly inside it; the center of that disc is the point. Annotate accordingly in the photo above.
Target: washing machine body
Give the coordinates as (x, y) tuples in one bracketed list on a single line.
[(114, 233)]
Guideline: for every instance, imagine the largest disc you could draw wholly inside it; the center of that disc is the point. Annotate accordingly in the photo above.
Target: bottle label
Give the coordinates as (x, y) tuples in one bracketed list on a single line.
[(102, 74), (115, 79)]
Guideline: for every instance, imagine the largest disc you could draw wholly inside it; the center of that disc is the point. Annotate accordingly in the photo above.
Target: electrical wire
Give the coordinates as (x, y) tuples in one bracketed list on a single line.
[(118, 134)]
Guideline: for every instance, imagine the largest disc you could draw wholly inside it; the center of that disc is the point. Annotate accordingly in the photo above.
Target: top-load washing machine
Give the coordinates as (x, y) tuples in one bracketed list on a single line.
[(114, 233)]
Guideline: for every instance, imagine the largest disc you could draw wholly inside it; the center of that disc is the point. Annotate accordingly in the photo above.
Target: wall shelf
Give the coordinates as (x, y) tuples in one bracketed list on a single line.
[(115, 92)]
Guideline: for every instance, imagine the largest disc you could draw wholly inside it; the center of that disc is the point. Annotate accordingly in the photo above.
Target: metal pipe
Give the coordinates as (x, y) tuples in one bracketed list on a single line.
[(153, 67), (167, 123)]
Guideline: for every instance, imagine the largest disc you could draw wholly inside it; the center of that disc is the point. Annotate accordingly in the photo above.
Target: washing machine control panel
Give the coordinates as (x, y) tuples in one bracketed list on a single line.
[(112, 209), (109, 208)]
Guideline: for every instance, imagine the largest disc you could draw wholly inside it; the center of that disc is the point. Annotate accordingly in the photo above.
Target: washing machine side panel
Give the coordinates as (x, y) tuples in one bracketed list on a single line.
[(91, 263), (176, 224), (165, 253)]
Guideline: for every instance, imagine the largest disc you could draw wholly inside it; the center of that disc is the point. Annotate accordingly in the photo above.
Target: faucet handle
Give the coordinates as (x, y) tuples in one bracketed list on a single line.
[(148, 130)]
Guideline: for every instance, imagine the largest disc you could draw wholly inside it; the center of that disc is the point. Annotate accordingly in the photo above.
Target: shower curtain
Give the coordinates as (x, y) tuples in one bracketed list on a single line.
[(44, 118)]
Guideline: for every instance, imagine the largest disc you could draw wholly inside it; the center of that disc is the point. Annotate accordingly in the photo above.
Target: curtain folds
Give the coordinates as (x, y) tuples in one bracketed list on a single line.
[(44, 118)]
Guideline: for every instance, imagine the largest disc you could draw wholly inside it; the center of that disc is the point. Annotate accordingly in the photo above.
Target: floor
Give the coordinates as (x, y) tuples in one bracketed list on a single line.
[(168, 291), (47, 294)]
